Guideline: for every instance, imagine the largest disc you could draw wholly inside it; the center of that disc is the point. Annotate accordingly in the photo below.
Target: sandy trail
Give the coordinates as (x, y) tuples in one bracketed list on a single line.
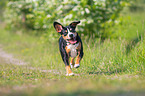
[(9, 59)]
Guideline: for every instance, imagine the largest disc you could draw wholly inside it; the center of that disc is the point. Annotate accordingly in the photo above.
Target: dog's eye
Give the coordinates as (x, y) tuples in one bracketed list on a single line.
[(65, 33), (72, 30)]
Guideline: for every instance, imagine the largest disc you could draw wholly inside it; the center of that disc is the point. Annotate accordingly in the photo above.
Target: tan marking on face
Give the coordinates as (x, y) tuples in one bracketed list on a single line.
[(65, 37), (68, 69)]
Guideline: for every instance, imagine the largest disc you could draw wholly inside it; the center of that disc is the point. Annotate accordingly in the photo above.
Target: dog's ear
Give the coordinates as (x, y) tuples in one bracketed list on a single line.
[(74, 24), (58, 27)]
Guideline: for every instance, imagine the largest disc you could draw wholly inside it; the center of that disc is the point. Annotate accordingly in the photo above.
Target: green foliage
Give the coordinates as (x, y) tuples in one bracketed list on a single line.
[(2, 4), (2, 7), (95, 15), (137, 5)]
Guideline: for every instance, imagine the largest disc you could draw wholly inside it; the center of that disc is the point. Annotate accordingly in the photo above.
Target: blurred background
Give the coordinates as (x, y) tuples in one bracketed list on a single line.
[(112, 32), (97, 16)]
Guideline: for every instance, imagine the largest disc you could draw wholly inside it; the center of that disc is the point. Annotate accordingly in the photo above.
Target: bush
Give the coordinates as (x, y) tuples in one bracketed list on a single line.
[(137, 5), (2, 6), (95, 15)]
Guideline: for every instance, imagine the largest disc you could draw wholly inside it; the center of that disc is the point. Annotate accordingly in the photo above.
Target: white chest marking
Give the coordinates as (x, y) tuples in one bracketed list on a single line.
[(73, 51)]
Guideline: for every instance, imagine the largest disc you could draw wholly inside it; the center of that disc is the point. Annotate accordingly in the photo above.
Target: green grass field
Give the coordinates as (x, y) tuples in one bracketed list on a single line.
[(114, 67)]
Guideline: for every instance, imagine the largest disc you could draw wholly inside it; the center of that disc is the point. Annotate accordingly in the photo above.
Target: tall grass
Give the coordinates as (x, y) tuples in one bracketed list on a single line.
[(114, 66), (111, 56)]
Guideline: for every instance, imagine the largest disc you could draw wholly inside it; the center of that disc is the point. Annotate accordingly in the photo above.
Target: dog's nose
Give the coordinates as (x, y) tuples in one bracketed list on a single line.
[(71, 35)]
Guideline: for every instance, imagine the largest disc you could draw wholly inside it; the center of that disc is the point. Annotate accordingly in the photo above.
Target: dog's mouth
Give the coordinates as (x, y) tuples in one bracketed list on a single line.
[(72, 40)]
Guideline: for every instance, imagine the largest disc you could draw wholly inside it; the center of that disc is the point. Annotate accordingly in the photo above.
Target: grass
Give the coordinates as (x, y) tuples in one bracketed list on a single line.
[(22, 81), (111, 67)]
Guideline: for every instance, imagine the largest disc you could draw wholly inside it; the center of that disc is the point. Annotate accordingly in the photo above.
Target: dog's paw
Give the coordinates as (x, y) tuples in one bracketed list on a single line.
[(77, 65), (71, 66), (70, 74)]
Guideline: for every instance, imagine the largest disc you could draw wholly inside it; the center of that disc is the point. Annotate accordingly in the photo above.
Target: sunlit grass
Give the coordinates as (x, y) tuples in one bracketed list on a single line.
[(109, 67)]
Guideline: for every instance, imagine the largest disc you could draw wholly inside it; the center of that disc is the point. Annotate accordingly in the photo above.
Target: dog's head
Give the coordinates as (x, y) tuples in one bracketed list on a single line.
[(68, 33)]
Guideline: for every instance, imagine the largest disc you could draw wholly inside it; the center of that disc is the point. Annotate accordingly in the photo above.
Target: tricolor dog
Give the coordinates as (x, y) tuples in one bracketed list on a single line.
[(70, 45)]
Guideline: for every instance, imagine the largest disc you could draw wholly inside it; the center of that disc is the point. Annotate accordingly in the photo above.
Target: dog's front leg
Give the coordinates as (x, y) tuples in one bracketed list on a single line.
[(65, 57), (79, 56), (77, 62), (67, 67), (78, 59)]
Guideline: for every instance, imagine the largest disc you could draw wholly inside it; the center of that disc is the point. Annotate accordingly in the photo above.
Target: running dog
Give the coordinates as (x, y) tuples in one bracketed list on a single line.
[(70, 45)]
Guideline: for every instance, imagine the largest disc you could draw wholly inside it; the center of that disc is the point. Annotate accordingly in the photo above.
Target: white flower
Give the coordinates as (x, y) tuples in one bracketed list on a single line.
[(117, 21), (48, 15), (87, 10), (82, 12)]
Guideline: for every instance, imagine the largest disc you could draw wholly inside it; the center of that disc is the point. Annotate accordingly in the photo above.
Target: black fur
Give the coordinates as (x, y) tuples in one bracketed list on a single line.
[(62, 45)]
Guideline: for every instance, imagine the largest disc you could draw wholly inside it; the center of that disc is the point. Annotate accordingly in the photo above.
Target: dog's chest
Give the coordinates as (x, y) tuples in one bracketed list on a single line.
[(73, 49)]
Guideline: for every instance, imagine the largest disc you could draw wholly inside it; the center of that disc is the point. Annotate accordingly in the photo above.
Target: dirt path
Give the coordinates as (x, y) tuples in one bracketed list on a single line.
[(6, 58), (9, 59)]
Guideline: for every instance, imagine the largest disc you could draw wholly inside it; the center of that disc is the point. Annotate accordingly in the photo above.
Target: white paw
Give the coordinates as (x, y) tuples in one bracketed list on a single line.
[(71, 74), (71, 66), (77, 65)]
